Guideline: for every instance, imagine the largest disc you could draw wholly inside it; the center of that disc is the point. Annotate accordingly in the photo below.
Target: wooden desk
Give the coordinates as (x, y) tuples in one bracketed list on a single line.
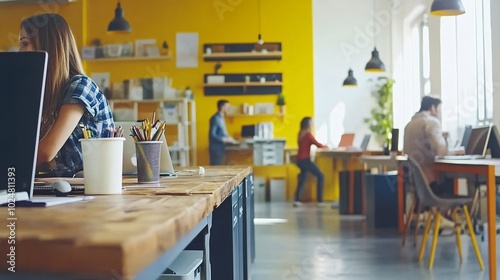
[(349, 161), (486, 167), (383, 162), (288, 151), (131, 236)]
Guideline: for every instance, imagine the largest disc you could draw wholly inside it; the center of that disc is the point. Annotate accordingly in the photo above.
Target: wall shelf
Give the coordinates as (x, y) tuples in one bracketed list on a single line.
[(242, 51), (231, 117), (244, 84), (236, 84), (240, 56), (254, 115), (130, 58)]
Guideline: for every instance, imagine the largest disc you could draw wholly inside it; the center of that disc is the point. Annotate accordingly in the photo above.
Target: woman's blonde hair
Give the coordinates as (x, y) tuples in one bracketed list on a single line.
[(51, 33)]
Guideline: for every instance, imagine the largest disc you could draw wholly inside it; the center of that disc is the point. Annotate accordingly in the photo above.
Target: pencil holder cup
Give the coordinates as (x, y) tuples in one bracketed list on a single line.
[(148, 161), (102, 165)]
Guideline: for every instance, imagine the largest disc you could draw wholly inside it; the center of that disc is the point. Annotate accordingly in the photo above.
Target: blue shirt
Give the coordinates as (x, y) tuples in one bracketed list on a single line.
[(97, 117), (217, 132)]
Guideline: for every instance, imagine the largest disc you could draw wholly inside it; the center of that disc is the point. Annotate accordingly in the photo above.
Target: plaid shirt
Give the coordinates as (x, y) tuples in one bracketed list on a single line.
[(97, 116)]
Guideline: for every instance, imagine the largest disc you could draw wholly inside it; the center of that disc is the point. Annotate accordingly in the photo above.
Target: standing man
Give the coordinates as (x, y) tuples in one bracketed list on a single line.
[(218, 136), (424, 140)]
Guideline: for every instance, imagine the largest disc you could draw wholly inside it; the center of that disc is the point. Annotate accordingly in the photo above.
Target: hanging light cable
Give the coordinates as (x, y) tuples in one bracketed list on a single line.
[(447, 8), (259, 38), (374, 64), (119, 24)]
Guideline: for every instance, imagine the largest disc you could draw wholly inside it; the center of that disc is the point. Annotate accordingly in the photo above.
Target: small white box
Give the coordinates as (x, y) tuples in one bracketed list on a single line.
[(216, 79), (187, 266), (170, 114), (89, 52), (277, 189), (266, 108), (160, 87)]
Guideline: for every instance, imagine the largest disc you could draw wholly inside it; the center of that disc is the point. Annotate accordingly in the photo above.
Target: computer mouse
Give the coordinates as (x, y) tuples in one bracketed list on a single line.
[(61, 188)]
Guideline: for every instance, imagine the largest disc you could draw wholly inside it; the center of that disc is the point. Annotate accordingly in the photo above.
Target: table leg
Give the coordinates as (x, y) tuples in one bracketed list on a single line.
[(492, 238), (350, 168), (401, 222)]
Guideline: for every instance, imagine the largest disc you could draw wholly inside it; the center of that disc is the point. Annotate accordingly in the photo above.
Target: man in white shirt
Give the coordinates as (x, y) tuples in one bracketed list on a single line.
[(424, 140)]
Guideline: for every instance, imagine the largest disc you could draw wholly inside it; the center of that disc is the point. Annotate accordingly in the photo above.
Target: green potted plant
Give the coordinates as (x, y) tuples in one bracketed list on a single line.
[(382, 116), (281, 103)]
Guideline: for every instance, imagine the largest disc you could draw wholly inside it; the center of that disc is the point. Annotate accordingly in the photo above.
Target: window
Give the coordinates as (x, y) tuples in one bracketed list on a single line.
[(466, 70)]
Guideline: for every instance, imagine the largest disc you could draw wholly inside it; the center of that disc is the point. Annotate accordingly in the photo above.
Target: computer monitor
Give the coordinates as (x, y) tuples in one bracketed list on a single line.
[(466, 136), (365, 142), (395, 140), (494, 142), (248, 131), (22, 87), (478, 141)]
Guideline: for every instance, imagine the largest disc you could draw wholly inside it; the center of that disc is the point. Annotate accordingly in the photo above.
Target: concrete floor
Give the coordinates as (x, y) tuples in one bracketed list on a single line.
[(317, 243)]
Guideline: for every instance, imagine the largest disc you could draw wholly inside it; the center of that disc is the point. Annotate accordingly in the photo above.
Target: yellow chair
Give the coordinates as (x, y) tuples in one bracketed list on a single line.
[(429, 199), (411, 216)]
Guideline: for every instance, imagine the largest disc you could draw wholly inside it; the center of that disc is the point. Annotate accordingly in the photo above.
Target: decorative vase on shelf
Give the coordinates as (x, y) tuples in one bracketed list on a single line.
[(386, 149), (282, 109), (281, 103)]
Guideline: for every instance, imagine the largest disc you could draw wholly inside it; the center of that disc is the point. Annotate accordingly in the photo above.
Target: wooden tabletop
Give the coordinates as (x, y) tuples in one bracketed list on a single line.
[(346, 153), (116, 235)]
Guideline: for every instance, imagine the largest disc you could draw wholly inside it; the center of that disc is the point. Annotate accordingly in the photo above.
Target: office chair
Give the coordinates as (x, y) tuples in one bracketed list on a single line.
[(435, 203), (411, 216)]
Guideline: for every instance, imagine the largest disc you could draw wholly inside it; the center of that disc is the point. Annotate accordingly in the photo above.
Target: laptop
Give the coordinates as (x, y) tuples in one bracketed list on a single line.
[(346, 140), (349, 138), (22, 86), (365, 142), (494, 142), (477, 144), (129, 154)]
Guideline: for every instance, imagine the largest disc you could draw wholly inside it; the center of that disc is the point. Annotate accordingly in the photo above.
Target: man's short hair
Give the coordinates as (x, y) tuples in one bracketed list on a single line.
[(428, 102), (221, 103)]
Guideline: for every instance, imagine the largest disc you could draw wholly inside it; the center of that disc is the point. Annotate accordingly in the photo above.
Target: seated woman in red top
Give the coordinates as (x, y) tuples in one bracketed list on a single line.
[(306, 139)]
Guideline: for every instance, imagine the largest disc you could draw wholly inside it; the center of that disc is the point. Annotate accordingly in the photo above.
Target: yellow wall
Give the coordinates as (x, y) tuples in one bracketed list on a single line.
[(11, 16), (161, 20), (285, 21)]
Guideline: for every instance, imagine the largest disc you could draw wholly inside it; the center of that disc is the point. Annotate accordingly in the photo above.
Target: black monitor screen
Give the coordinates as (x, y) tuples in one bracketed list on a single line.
[(494, 143), (478, 141), (466, 137), (22, 78), (248, 131)]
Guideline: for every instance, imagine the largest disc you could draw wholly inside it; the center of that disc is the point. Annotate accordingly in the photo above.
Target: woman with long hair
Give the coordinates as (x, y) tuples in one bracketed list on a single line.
[(304, 162), (71, 98)]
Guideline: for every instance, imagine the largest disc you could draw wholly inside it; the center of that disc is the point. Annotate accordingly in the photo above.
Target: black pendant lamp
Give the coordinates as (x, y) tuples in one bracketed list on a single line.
[(374, 64), (119, 24), (350, 81), (447, 8)]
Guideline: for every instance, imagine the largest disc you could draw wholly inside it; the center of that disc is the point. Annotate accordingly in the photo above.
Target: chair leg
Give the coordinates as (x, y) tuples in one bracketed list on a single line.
[(474, 209), (458, 232), (473, 238), (409, 219), (419, 208), (435, 238), (426, 234)]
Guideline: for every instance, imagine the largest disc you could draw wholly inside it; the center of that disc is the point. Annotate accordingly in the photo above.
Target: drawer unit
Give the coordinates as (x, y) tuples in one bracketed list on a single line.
[(268, 152), (227, 236)]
